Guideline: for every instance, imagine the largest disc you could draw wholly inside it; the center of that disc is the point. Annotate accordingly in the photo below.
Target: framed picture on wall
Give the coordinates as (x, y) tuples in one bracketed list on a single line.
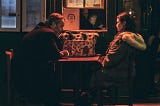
[(71, 19), (74, 3), (94, 3), (127, 4)]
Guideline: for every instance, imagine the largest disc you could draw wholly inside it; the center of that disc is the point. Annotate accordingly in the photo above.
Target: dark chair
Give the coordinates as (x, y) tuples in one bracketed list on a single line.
[(111, 93), (117, 92)]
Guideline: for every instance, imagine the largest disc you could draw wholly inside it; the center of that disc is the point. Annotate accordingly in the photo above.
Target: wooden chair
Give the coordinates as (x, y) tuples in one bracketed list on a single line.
[(109, 93), (113, 94)]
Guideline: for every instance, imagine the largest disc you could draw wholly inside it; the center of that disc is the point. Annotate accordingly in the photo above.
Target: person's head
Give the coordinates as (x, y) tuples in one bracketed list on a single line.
[(92, 18), (125, 22), (56, 22)]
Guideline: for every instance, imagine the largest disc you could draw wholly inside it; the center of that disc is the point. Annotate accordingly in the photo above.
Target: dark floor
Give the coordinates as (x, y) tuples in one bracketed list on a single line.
[(153, 99)]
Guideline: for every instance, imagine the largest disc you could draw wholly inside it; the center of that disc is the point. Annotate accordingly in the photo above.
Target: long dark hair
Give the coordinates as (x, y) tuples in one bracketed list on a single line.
[(130, 21)]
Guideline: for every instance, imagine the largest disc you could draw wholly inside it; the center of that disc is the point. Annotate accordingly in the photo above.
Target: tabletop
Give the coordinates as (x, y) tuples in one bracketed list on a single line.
[(80, 59)]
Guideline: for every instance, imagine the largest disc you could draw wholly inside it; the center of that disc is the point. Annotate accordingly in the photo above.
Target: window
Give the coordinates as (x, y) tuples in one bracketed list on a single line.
[(33, 12), (9, 15)]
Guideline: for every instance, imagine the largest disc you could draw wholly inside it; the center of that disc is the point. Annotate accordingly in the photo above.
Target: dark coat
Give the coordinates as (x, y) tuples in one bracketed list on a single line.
[(31, 72), (118, 61)]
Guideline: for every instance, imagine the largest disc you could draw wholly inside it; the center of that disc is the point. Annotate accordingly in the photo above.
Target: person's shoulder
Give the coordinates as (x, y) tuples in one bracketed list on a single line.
[(126, 35), (43, 27), (47, 29), (134, 39)]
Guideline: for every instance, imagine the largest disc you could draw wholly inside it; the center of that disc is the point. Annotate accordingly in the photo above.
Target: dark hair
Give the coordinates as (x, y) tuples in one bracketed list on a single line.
[(54, 17), (130, 21), (91, 15)]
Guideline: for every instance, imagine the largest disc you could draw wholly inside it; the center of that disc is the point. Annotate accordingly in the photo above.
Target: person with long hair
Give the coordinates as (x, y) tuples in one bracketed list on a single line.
[(120, 54)]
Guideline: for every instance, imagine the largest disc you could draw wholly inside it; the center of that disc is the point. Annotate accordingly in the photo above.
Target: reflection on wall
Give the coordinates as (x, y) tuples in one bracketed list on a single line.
[(92, 19)]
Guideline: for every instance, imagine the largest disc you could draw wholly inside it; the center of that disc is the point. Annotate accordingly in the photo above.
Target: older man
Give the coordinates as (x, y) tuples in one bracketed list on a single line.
[(32, 74)]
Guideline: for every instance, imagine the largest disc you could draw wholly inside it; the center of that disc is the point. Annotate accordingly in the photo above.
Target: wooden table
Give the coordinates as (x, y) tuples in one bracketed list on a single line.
[(75, 74)]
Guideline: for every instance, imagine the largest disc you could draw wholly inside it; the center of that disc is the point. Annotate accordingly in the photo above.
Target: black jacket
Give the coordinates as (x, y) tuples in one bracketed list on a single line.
[(119, 60), (31, 72)]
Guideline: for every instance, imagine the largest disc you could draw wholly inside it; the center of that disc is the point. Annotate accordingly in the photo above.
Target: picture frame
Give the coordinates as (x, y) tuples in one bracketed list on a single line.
[(94, 4), (74, 3), (71, 19)]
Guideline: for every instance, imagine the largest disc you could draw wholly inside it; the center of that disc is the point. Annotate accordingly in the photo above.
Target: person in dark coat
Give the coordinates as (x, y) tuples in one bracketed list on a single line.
[(32, 74), (119, 60), (120, 54)]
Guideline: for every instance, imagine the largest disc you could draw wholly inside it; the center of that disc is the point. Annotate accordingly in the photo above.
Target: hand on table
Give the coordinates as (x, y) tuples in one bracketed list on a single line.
[(64, 53)]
